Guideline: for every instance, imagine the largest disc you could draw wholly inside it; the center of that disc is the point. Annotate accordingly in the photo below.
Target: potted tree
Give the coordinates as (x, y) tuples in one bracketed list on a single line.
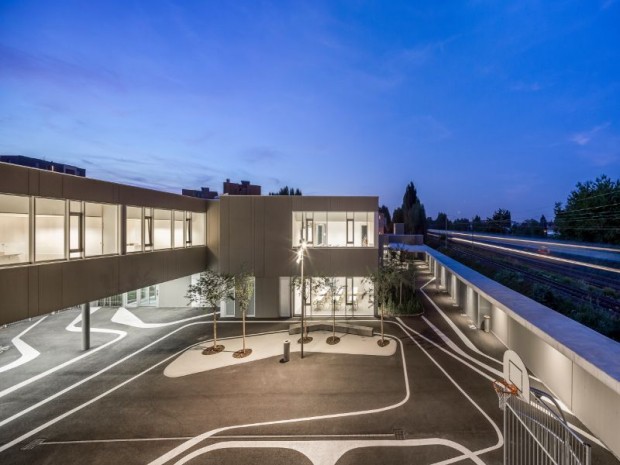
[(334, 293), (211, 289), (244, 289), (382, 281)]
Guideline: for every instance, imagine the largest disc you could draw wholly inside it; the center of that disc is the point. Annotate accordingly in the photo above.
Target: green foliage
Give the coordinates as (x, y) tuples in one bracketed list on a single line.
[(287, 191), (211, 289), (591, 213), (244, 289), (413, 212)]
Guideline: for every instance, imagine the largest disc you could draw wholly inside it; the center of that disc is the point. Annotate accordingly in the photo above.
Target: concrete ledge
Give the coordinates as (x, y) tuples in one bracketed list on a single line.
[(327, 326)]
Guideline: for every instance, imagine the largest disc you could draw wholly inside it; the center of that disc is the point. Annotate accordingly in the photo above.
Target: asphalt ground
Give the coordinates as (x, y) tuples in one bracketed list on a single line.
[(422, 405)]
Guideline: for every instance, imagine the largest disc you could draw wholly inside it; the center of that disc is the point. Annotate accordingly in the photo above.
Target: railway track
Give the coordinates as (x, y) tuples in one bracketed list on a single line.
[(608, 303)]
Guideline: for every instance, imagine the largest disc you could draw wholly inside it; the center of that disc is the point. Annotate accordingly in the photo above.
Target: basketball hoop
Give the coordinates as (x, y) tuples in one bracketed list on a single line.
[(504, 390)]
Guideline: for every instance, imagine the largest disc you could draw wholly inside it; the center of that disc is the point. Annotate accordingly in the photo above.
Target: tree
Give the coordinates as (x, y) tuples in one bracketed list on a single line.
[(386, 215), (461, 224), (414, 214), (591, 212), (382, 280), (397, 216), (287, 191), (476, 224), (211, 289), (310, 288), (334, 292), (244, 289), (500, 222)]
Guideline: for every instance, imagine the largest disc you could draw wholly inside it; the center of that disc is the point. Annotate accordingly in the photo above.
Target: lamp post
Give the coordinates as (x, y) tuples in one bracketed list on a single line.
[(300, 259)]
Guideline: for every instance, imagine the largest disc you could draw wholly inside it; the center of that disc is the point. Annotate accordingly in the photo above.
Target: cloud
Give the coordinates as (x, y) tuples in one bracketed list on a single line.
[(520, 86), (19, 64), (260, 155), (584, 138)]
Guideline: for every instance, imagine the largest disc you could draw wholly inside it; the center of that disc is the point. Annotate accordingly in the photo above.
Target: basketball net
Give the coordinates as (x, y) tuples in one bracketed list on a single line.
[(504, 390)]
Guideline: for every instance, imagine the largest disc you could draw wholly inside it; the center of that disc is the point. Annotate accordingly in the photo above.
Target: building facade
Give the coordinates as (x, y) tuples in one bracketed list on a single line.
[(67, 240)]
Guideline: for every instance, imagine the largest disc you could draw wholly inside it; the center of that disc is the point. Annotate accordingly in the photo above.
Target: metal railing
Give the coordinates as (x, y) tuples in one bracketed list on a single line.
[(534, 434)]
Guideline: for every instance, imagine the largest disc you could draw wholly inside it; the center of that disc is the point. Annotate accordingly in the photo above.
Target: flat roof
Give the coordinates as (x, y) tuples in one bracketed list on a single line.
[(595, 353)]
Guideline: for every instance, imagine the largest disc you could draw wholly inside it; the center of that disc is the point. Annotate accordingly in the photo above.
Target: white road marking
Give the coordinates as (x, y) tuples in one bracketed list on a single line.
[(125, 317), (329, 452), (72, 328), (28, 353)]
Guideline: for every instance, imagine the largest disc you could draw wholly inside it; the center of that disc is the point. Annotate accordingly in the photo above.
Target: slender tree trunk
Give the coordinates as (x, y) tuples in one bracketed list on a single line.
[(334, 319), (243, 316), (382, 308), (400, 298), (214, 329)]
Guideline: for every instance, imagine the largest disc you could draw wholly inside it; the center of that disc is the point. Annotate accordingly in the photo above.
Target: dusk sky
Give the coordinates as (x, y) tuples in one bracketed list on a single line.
[(482, 104)]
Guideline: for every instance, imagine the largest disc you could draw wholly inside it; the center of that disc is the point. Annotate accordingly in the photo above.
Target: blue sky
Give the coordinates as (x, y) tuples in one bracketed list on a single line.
[(482, 104)]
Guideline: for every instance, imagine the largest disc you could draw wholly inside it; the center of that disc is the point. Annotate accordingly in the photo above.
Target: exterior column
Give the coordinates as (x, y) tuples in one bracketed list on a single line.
[(86, 326)]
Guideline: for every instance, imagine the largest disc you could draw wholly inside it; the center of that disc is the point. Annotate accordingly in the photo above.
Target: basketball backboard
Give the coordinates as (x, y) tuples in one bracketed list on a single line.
[(515, 373)]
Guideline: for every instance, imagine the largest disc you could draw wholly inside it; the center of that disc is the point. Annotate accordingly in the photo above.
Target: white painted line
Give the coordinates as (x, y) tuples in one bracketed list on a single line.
[(330, 452), (28, 353), (172, 454), (457, 331), (125, 317), (500, 437), (72, 328)]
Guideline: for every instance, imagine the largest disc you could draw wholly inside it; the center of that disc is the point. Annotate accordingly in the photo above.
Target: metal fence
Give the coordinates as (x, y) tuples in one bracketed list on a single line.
[(534, 434)]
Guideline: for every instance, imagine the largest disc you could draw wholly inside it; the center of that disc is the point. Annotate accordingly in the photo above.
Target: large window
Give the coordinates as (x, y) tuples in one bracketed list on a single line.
[(100, 229), (178, 229), (199, 228), (348, 296), (76, 229), (163, 229), (334, 229), (148, 229), (14, 229), (49, 229), (134, 229)]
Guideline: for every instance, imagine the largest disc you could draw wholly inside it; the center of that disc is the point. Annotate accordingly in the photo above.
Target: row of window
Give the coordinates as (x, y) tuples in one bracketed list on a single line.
[(347, 296), (334, 229), (36, 229)]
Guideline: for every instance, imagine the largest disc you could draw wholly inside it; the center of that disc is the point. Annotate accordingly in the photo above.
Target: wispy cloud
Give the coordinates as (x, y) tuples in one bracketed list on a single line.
[(584, 138), (520, 86), (260, 155), (16, 63)]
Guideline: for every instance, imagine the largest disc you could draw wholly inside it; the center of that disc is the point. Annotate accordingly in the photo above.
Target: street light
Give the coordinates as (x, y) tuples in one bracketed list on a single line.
[(301, 252)]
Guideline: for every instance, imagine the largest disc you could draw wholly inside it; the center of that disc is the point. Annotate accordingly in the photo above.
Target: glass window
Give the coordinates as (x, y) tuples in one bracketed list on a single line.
[(337, 229), (100, 229), (148, 229), (49, 229), (163, 229), (334, 229), (76, 232), (14, 229), (320, 222), (134, 229), (188, 229), (179, 226), (199, 228), (297, 228), (309, 235)]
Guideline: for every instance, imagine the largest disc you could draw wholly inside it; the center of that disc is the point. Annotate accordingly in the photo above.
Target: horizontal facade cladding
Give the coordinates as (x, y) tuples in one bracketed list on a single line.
[(16, 179), (256, 234), (33, 290)]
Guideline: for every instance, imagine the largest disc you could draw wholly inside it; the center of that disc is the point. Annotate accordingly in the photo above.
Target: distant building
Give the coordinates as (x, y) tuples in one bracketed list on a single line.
[(43, 164), (245, 188), (203, 193)]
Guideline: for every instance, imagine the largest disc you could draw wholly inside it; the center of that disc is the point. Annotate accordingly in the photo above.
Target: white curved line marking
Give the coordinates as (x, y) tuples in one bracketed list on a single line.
[(28, 353), (196, 440), (124, 317), (455, 328), (329, 452)]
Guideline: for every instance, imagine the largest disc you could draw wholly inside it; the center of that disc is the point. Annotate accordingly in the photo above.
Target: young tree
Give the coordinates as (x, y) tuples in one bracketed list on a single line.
[(210, 290), (382, 281), (310, 287), (334, 294), (244, 289)]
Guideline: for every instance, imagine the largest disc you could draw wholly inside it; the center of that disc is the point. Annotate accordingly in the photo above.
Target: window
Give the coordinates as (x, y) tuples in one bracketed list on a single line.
[(350, 293), (76, 230), (350, 231), (188, 228), (199, 228), (179, 226), (309, 231), (100, 229), (49, 229), (148, 229), (14, 229), (320, 234), (134, 229), (163, 229)]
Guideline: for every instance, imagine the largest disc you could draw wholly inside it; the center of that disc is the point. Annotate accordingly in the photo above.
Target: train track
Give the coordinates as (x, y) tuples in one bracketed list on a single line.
[(604, 302)]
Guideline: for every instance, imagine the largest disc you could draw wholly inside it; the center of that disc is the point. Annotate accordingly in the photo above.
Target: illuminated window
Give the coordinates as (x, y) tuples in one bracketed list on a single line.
[(76, 230), (178, 229), (134, 229), (14, 229), (49, 229), (199, 228), (148, 229), (100, 229), (163, 229)]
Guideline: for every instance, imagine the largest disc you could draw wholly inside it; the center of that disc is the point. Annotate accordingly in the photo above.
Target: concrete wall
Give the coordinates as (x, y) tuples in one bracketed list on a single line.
[(29, 290), (568, 362), (172, 293)]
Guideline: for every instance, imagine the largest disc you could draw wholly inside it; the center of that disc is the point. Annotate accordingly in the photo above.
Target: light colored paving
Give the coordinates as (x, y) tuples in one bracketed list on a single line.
[(125, 317), (27, 352), (271, 345)]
